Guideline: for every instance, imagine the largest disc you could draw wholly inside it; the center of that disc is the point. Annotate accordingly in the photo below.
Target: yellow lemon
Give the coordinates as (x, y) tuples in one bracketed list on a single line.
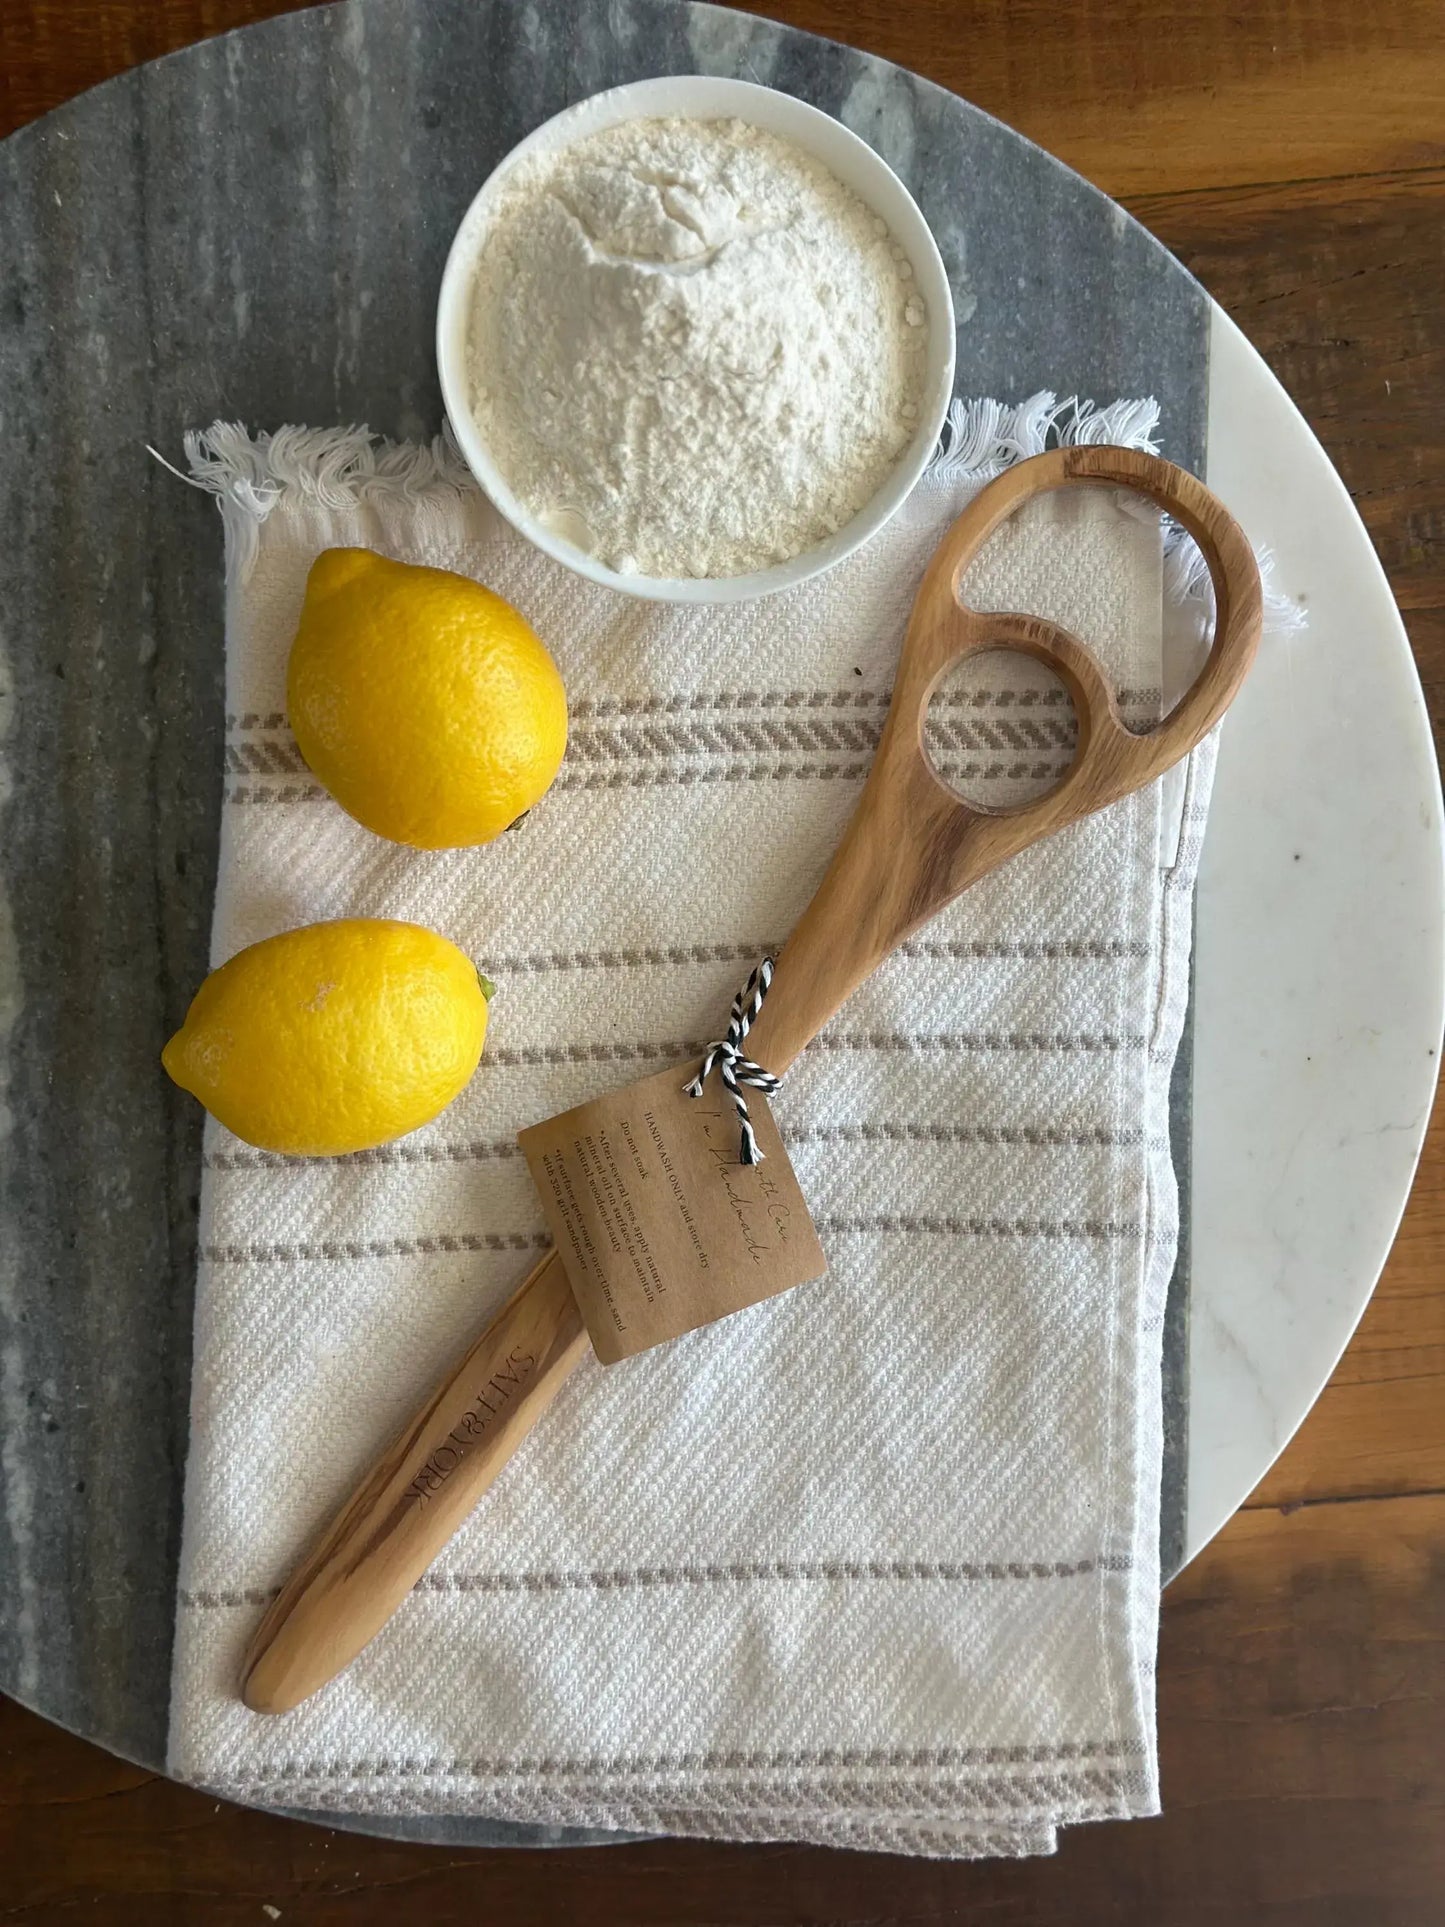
[(334, 1037), (423, 702)]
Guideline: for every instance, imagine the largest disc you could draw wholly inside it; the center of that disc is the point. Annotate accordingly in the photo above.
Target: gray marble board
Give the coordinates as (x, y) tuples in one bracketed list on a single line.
[(255, 228)]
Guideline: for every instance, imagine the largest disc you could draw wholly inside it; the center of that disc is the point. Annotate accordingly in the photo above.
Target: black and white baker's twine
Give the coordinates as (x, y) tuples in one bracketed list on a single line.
[(734, 1066)]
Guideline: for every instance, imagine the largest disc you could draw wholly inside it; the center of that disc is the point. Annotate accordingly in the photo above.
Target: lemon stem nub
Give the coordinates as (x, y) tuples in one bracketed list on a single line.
[(489, 989)]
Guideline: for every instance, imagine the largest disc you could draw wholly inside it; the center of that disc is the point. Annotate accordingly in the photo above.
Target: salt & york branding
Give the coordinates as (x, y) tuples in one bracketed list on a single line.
[(502, 1386), (660, 1225)]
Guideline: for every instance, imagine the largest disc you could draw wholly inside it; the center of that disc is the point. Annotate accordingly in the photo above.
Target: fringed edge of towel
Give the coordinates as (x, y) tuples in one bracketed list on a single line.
[(982, 438), (1186, 580), (350, 468), (337, 469)]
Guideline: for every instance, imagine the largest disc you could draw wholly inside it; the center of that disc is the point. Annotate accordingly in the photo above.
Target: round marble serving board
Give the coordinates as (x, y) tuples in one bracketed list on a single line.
[(255, 228)]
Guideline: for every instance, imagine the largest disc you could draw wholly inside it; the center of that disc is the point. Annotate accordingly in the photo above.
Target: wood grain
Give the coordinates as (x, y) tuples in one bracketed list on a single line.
[(1142, 96), (912, 845), (418, 1494), (1147, 96), (1302, 1685), (1338, 284)]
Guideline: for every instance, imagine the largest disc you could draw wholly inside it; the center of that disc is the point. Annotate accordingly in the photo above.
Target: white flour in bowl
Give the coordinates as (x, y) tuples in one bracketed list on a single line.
[(692, 350)]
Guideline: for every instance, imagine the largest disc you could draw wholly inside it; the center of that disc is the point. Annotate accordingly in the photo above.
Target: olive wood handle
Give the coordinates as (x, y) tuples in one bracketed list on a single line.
[(417, 1494)]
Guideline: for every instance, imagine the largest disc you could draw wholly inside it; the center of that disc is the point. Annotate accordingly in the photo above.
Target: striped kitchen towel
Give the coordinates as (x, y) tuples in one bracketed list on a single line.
[(875, 1563)]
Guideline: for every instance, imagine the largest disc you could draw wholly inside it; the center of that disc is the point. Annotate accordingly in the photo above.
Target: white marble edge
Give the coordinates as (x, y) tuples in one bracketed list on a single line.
[(1320, 957)]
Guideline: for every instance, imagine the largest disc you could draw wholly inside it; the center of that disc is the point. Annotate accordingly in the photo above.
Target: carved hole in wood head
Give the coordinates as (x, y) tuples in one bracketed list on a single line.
[(987, 569), (1142, 533), (1001, 729), (1057, 534)]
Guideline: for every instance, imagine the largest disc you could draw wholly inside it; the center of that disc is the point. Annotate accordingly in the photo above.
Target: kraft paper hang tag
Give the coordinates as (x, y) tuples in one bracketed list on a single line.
[(660, 1225)]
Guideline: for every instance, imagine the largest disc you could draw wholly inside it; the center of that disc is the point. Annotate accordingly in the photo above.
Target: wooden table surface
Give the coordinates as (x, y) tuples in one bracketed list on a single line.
[(1292, 153)]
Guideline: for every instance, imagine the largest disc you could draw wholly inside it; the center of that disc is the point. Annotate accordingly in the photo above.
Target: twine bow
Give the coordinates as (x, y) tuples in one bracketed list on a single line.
[(732, 1062)]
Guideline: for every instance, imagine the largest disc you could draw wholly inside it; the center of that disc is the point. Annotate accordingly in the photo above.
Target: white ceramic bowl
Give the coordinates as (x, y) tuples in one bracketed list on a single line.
[(691, 96)]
